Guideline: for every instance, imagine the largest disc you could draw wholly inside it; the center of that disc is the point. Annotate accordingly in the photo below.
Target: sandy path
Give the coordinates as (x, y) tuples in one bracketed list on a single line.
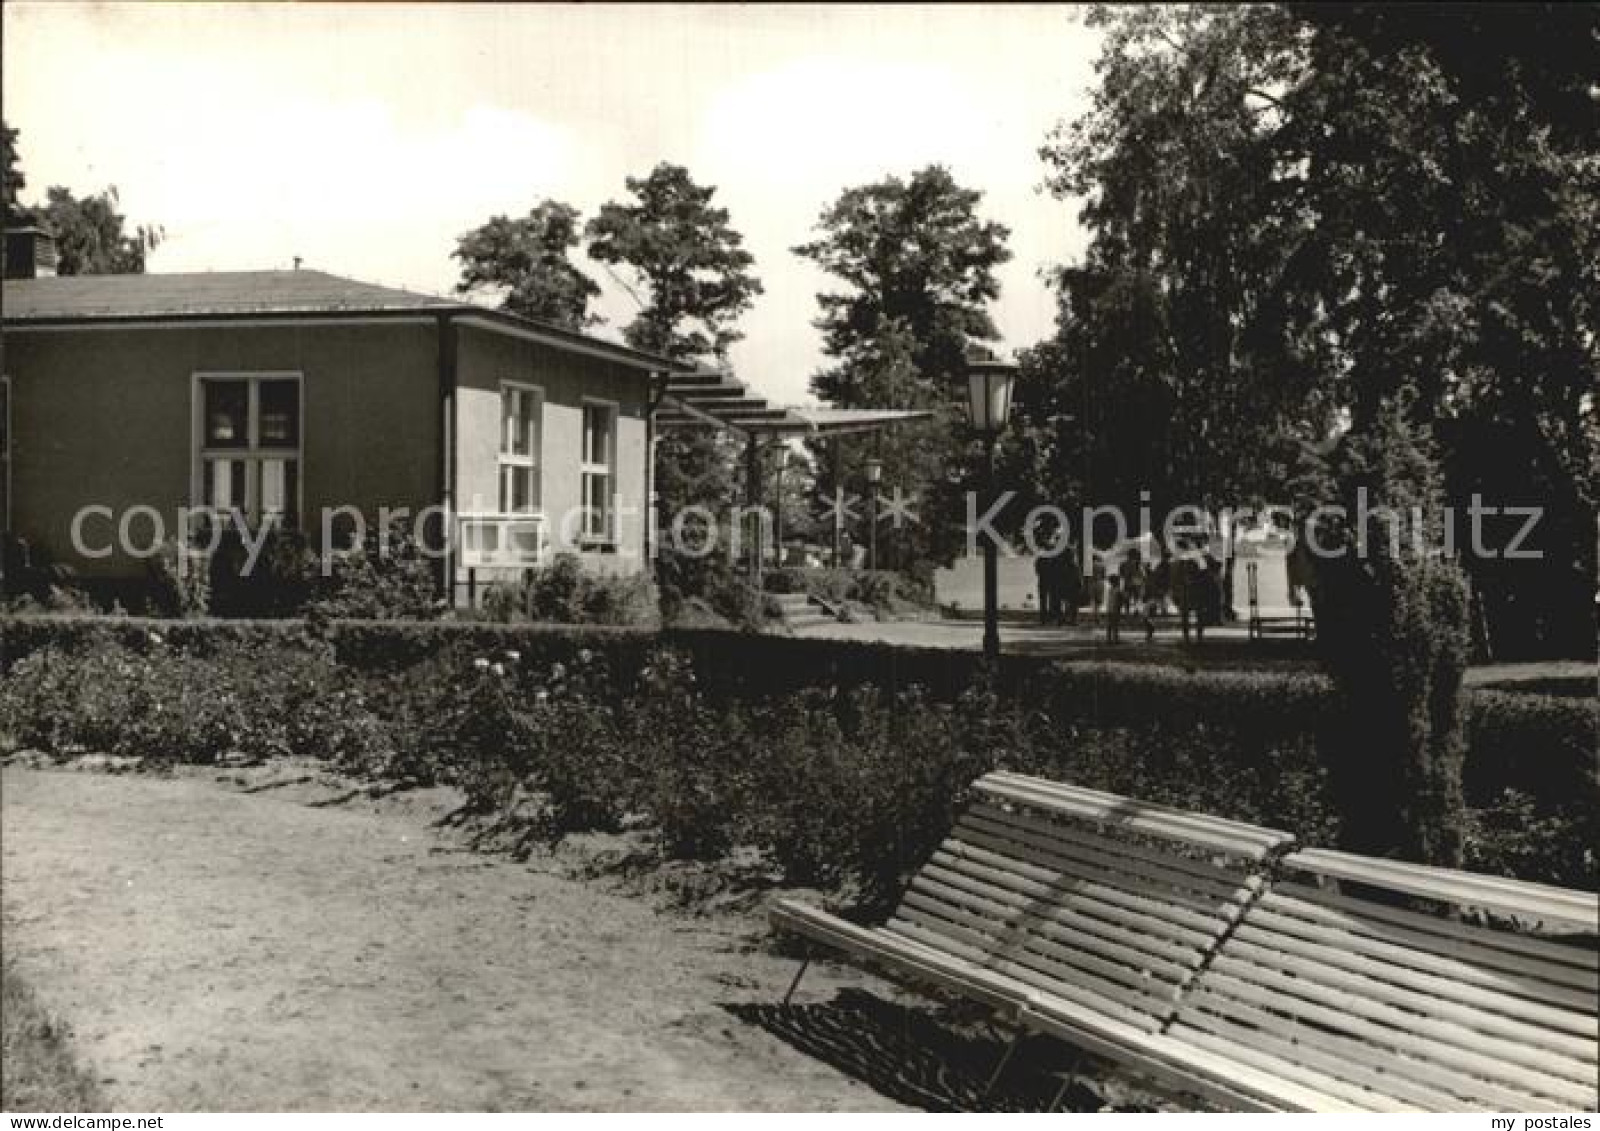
[(216, 950)]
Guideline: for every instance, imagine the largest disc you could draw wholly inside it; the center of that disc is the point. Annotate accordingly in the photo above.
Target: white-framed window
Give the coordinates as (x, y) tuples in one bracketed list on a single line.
[(521, 434), (599, 471), (248, 444)]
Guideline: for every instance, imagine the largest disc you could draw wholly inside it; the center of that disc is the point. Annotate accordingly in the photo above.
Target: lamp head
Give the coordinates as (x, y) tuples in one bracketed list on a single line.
[(989, 388)]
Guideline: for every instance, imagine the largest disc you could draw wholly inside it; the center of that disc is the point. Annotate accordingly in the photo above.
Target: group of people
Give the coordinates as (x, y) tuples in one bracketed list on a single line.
[(1191, 579)]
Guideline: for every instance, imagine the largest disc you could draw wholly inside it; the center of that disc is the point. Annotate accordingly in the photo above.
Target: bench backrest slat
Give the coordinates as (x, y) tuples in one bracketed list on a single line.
[(1251, 842), (1551, 907)]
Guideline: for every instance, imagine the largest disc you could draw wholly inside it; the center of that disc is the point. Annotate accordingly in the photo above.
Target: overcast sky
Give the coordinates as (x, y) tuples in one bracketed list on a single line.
[(365, 138)]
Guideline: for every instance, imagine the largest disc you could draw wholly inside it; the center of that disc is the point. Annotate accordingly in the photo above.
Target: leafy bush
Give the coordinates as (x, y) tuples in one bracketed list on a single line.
[(180, 582), (712, 582), (277, 582), (152, 703), (148, 695), (565, 593), (388, 577), (882, 590)]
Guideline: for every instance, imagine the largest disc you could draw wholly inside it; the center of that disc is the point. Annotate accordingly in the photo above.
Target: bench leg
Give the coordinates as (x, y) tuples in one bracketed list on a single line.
[(999, 1069), (1061, 1093), (798, 974)]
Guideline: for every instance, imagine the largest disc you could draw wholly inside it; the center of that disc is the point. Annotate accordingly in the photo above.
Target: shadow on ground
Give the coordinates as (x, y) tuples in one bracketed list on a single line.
[(912, 1057)]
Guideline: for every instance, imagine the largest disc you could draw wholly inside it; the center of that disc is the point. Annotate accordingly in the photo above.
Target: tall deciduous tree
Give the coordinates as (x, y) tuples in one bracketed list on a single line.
[(91, 235), (688, 266), (528, 261), (1167, 350), (679, 256), (918, 265), (1299, 214), (1451, 171)]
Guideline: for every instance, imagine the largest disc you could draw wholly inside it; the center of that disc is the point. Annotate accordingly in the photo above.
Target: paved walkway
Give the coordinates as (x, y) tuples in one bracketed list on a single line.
[(1020, 637), (217, 950)]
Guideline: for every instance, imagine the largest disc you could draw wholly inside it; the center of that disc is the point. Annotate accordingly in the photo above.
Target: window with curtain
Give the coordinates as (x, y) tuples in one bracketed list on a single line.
[(249, 446)]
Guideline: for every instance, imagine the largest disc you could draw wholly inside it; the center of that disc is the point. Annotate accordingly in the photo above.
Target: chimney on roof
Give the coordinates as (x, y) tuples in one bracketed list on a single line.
[(30, 253)]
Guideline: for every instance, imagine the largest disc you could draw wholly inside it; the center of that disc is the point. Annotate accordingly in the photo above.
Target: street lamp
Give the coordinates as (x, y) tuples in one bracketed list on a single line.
[(989, 386), (873, 470)]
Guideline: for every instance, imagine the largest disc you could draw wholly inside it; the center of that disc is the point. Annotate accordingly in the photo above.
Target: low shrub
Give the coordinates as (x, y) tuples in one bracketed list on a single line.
[(179, 582), (150, 695), (711, 583), (881, 590), (273, 576), (152, 702), (563, 592), (842, 765), (388, 577)]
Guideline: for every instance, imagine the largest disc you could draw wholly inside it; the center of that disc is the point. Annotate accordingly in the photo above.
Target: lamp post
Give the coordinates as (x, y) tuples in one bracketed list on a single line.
[(989, 386), (873, 469)]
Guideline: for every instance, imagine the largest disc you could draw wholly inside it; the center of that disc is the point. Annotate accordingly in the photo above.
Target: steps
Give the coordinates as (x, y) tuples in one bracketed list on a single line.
[(798, 611)]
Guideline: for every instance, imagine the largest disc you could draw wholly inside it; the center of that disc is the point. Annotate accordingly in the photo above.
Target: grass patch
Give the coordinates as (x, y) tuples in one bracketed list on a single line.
[(37, 1069)]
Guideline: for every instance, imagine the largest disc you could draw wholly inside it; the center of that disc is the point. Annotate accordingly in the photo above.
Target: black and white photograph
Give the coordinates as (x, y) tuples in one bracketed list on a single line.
[(785, 558)]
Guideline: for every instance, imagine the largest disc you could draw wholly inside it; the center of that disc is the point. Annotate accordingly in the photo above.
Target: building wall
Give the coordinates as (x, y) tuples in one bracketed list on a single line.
[(105, 417), (566, 381)]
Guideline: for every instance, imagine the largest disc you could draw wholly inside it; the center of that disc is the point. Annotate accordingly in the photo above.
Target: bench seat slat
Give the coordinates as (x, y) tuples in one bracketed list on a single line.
[(1354, 1048), (1583, 961), (1065, 852), (1336, 1002), (1355, 1079), (915, 961), (1319, 975), (1023, 905), (1187, 1065), (1359, 1098), (1554, 907), (1279, 916), (1038, 978)]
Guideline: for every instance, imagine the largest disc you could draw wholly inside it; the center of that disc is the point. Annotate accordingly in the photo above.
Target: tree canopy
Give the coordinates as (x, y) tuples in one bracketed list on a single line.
[(1298, 214), (14, 179), (91, 234), (685, 264), (528, 260), (918, 266)]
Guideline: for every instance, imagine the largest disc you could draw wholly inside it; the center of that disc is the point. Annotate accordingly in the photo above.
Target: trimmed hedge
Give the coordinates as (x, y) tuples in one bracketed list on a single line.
[(811, 750)]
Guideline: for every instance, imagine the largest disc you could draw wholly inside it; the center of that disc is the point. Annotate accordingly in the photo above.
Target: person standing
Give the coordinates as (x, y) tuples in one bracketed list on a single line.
[(1181, 572), (1069, 579), (1044, 573), (1210, 586), (1113, 606)]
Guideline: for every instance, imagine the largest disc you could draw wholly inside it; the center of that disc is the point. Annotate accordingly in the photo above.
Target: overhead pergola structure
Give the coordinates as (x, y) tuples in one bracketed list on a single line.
[(718, 399)]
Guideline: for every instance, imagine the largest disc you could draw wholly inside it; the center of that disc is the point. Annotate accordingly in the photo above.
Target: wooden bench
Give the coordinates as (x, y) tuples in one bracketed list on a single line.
[(1153, 937), (1331, 982), (1101, 906)]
